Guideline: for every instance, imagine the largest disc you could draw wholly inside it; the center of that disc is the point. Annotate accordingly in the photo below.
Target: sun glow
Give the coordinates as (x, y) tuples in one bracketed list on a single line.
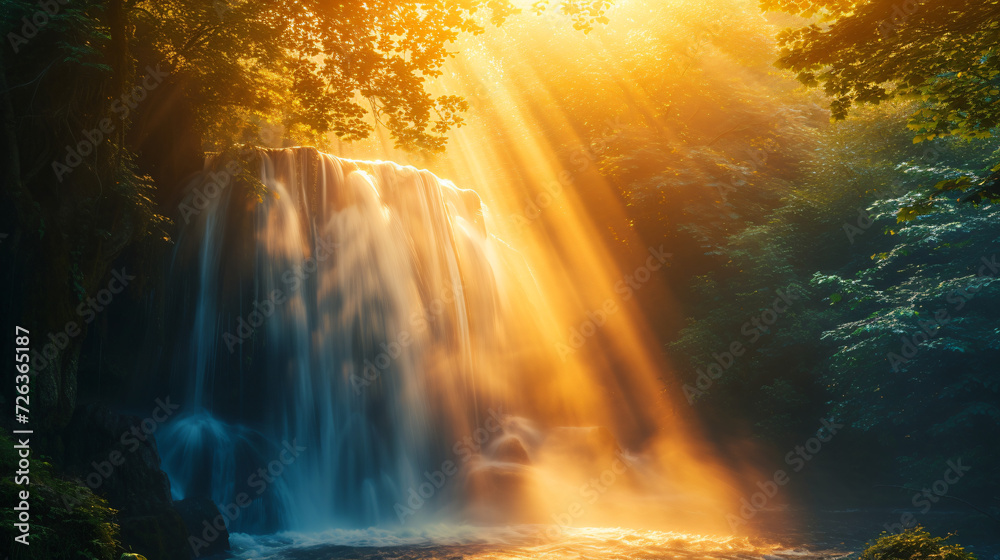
[(586, 338)]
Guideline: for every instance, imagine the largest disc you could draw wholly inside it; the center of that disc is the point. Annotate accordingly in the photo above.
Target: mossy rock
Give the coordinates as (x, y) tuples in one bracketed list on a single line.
[(159, 535)]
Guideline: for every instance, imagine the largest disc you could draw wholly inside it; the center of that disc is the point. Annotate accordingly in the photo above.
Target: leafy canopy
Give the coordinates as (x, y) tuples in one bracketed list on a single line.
[(941, 52), (319, 66)]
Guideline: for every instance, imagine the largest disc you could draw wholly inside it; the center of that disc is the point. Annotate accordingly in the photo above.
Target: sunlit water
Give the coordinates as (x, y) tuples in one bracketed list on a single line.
[(454, 542)]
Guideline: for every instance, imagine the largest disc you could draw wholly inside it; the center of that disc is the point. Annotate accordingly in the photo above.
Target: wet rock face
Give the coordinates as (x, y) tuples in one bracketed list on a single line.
[(158, 535), (205, 526), (55, 385), (115, 456)]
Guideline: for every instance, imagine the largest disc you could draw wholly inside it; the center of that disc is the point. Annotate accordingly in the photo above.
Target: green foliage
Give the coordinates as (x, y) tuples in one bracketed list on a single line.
[(87, 529), (876, 280), (871, 51), (922, 277), (914, 544)]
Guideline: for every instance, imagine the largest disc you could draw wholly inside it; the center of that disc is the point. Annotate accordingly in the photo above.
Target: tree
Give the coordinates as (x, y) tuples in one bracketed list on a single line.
[(869, 51)]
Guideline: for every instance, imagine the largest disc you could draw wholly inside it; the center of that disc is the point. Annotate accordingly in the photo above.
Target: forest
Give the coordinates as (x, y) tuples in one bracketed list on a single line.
[(747, 250)]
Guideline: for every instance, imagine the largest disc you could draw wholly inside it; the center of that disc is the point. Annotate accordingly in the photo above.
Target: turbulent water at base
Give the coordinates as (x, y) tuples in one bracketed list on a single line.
[(473, 543)]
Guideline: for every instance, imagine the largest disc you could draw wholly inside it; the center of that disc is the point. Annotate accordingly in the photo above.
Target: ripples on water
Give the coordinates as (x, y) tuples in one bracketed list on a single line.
[(448, 543)]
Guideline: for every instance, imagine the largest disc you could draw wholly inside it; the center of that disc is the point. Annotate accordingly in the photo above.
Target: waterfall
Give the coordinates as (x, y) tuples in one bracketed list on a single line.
[(343, 307), (355, 348)]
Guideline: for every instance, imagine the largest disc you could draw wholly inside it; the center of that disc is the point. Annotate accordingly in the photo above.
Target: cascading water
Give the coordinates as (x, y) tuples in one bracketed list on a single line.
[(354, 345), (350, 312)]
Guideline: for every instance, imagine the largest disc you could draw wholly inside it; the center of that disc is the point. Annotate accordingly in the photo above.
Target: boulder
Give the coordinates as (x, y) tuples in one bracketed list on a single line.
[(205, 526), (509, 449), (502, 492), (117, 459), (158, 534)]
